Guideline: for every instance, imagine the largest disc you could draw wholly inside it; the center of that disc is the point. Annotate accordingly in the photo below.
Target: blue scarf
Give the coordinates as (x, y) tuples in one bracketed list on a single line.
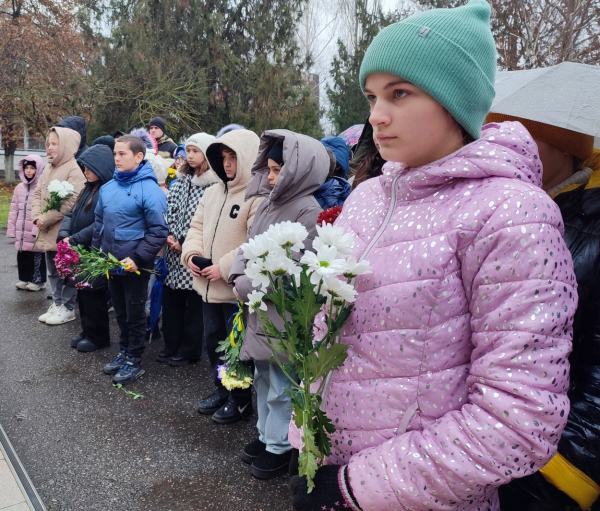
[(126, 176)]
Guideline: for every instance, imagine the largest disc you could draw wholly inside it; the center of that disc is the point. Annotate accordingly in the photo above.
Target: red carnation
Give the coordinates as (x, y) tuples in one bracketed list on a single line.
[(329, 215)]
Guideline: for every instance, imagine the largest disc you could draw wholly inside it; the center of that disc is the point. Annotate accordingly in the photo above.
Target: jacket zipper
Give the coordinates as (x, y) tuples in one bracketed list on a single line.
[(215, 234), (24, 217), (370, 246)]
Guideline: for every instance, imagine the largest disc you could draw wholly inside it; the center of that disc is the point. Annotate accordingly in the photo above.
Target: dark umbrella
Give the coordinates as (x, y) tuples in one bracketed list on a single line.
[(157, 291)]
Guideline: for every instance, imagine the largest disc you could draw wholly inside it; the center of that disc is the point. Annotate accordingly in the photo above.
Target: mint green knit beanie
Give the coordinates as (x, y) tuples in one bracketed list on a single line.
[(448, 53)]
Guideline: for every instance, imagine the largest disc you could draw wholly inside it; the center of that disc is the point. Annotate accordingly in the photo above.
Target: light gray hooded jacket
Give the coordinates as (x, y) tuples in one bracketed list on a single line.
[(305, 168)]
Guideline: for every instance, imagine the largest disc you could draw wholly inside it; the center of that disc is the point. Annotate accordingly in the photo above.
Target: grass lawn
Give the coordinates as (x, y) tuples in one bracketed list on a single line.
[(6, 193)]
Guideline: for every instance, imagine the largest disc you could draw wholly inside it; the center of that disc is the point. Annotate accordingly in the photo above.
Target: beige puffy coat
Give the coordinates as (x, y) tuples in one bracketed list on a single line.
[(221, 222), (63, 168)]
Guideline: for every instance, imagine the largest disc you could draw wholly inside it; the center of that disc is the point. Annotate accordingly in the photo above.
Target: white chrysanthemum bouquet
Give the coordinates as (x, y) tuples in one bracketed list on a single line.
[(59, 191), (321, 282)]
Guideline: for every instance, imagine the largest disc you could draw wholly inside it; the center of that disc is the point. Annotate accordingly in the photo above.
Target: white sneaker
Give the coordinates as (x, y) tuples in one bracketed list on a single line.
[(21, 285), (35, 287), (61, 316), (51, 311)]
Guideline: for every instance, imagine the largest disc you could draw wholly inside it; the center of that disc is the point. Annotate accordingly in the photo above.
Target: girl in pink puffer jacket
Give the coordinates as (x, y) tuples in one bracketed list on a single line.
[(31, 263), (457, 370)]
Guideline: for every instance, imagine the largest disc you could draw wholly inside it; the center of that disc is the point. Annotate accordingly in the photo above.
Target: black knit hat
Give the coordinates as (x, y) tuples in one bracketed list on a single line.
[(276, 152), (159, 122), (29, 162)]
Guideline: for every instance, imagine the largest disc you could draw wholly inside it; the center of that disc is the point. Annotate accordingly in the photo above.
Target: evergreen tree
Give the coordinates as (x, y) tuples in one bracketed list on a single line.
[(203, 64), (348, 105)]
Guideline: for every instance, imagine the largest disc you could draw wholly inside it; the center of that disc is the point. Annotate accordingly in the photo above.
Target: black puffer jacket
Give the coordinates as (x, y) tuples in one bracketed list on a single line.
[(78, 224), (77, 124), (580, 442)]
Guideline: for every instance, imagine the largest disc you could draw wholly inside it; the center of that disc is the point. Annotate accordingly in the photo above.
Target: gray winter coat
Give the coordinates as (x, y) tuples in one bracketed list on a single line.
[(305, 168)]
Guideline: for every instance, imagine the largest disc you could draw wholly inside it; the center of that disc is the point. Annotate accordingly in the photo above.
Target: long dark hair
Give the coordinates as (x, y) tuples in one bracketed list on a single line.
[(95, 187)]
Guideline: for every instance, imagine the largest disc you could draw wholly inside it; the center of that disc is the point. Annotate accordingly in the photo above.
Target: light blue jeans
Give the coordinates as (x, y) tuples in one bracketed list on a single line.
[(274, 406)]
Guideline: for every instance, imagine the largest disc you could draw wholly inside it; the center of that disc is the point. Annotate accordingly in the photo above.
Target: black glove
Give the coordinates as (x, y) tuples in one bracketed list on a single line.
[(201, 262), (331, 492)]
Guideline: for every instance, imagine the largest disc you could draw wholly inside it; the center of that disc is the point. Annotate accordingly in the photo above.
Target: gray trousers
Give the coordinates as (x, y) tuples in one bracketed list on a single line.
[(61, 294)]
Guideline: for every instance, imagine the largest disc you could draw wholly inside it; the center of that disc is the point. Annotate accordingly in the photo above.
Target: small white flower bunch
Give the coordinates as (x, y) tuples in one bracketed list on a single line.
[(269, 256), (63, 189), (59, 191)]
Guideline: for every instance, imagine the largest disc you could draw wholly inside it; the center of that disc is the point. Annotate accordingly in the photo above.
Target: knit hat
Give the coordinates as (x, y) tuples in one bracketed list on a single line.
[(32, 163), (228, 128), (570, 142), (159, 122), (201, 141), (448, 53), (276, 152), (106, 140)]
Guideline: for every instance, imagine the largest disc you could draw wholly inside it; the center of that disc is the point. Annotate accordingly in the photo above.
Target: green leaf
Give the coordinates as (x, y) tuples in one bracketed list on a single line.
[(323, 428), (325, 359)]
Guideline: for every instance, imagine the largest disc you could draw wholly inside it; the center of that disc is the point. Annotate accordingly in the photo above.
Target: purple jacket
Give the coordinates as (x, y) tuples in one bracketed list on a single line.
[(19, 224), (458, 346)]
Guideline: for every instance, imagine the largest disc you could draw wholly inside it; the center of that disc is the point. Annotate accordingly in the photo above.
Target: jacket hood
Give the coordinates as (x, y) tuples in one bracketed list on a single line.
[(180, 150), (77, 124), (39, 165), (339, 149), (100, 160), (305, 167), (503, 150), (68, 145), (145, 172), (245, 144)]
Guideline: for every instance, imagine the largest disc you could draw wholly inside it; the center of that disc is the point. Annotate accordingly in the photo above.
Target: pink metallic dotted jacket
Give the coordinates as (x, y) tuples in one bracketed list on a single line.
[(457, 368)]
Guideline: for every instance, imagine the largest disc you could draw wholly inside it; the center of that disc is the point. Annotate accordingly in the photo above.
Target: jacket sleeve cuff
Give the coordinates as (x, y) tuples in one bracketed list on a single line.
[(344, 484), (137, 260)]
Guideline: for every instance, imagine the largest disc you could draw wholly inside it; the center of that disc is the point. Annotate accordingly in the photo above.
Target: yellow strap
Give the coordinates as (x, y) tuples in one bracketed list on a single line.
[(238, 324), (570, 480)]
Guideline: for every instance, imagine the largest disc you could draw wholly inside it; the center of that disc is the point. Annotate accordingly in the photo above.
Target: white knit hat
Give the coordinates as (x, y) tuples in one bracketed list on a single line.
[(201, 141)]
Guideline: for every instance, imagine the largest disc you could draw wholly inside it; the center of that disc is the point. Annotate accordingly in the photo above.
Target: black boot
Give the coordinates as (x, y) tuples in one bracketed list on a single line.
[(253, 451), (269, 465)]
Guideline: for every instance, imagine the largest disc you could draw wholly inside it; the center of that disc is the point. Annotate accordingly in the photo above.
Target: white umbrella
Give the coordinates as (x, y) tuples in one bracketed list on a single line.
[(566, 95)]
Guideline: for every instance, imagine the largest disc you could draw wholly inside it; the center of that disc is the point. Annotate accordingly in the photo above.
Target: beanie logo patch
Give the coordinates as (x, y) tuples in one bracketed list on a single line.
[(424, 31)]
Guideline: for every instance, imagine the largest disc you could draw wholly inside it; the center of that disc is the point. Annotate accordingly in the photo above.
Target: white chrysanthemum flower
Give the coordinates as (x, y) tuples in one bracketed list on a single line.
[(337, 291), (260, 246), (66, 190), (288, 234), (323, 264), (355, 268), (332, 236), (54, 186), (255, 301), (256, 272), (279, 264)]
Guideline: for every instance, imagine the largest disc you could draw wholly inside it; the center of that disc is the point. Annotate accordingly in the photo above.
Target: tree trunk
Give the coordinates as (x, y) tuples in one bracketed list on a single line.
[(9, 162)]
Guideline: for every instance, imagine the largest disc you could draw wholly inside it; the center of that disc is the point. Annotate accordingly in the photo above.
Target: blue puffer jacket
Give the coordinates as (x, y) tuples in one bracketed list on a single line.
[(131, 218), (333, 192)]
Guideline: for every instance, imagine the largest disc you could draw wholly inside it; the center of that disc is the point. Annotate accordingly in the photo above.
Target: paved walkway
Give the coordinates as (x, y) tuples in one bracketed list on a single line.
[(12, 493)]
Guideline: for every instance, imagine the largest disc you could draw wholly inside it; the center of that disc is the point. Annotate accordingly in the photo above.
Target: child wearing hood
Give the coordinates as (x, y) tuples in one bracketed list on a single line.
[(61, 146), (77, 228), (336, 188), (182, 321), (457, 370), (31, 263), (130, 223), (218, 229), (289, 167)]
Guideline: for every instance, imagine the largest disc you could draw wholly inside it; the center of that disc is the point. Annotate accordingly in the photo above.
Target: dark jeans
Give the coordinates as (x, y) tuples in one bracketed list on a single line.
[(182, 323), (128, 295), (217, 326), (31, 266), (93, 312)]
